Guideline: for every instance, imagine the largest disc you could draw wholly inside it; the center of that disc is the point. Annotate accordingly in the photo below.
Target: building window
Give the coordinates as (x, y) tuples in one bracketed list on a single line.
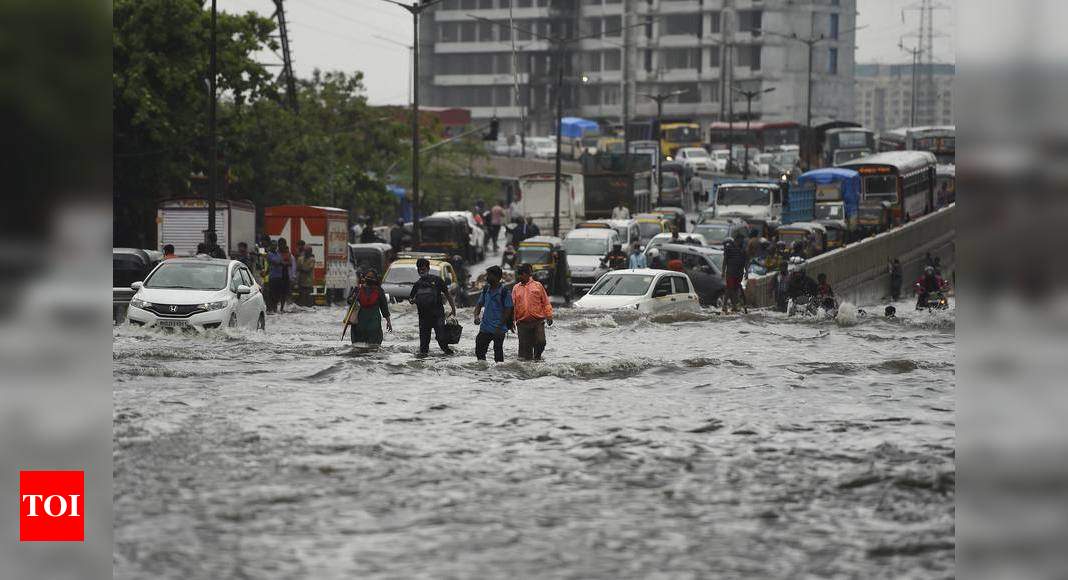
[(485, 4), (713, 25), (834, 27), (832, 61), (681, 58), (749, 56), (681, 24), (713, 57), (748, 20), (610, 95), (613, 60), (612, 26)]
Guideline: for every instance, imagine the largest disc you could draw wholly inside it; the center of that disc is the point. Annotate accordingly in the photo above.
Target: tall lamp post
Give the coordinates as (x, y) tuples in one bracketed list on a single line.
[(660, 98), (749, 96), (560, 42), (810, 42), (213, 147), (415, 8)]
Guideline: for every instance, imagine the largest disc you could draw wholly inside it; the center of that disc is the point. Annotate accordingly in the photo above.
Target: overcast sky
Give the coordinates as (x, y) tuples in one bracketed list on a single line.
[(345, 35)]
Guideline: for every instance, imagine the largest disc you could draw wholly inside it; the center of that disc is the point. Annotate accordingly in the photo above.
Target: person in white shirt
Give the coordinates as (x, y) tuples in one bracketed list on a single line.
[(620, 212)]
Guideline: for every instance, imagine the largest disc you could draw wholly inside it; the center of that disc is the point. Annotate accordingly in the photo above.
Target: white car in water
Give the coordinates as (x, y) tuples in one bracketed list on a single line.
[(198, 294), (586, 249), (647, 291), (696, 158)]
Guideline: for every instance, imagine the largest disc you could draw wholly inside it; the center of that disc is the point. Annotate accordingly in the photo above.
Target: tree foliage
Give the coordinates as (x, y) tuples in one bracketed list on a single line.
[(337, 151)]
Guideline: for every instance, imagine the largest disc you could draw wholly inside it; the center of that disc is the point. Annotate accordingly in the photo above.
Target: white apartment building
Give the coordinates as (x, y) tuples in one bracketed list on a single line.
[(497, 70), (884, 96)]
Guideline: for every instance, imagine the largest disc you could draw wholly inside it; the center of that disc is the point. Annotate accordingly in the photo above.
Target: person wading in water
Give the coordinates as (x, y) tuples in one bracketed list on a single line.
[(367, 328)]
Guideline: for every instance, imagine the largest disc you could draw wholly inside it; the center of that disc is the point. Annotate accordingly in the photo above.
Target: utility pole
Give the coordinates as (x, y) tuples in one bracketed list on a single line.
[(660, 98), (749, 96), (915, 52), (416, 8), (213, 147), (925, 36), (287, 57), (560, 44), (810, 42)]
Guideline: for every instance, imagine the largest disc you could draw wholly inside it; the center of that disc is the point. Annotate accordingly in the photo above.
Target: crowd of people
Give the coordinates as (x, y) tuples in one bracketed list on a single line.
[(524, 310)]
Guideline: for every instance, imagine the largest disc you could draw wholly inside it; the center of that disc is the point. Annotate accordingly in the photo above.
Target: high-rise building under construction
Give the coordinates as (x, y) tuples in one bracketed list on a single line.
[(499, 59)]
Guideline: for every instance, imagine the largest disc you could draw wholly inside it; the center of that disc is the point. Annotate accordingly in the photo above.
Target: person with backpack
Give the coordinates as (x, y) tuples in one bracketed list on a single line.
[(493, 314), (426, 295)]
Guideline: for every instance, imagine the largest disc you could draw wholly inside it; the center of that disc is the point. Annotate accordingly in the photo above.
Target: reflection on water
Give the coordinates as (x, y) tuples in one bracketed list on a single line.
[(693, 446)]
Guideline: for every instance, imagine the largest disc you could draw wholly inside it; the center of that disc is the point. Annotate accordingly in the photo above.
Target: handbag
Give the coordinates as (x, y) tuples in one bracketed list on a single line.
[(453, 330)]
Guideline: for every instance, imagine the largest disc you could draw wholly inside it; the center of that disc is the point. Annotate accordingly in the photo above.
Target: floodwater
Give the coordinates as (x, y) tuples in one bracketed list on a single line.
[(695, 447)]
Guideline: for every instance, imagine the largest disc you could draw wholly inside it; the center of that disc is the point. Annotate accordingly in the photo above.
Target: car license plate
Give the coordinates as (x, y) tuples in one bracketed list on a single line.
[(173, 323)]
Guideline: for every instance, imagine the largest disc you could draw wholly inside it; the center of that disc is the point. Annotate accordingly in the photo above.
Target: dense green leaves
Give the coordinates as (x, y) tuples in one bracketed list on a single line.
[(338, 151)]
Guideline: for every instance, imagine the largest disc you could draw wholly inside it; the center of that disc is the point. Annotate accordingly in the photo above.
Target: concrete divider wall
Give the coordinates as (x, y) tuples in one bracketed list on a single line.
[(859, 272)]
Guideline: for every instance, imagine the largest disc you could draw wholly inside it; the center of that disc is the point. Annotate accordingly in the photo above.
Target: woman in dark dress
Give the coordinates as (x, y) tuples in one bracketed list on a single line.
[(372, 309)]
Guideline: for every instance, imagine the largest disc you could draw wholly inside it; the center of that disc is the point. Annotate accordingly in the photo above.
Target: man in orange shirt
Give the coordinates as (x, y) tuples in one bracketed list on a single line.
[(532, 312)]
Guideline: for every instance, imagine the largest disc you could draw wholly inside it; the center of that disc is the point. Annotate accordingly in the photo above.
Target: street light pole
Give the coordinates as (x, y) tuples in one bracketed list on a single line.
[(749, 96), (559, 138), (416, 8), (660, 98), (213, 147)]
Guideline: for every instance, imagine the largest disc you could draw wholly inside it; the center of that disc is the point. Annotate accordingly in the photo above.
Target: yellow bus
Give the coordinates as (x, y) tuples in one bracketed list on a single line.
[(674, 136)]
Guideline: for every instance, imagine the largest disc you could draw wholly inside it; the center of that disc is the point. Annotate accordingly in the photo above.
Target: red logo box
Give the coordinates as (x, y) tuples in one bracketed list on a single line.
[(51, 506)]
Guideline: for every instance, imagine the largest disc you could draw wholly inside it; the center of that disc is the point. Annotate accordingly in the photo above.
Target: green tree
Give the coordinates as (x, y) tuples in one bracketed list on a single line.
[(160, 53)]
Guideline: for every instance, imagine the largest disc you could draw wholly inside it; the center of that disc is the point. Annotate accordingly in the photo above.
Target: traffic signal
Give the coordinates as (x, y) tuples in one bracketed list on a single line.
[(494, 125)]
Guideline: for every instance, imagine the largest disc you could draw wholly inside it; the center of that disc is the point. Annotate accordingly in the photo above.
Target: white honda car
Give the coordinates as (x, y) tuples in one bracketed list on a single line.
[(198, 293), (645, 290)]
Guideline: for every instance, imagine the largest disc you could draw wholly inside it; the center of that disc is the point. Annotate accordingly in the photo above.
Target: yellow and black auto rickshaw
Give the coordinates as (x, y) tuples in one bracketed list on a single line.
[(547, 257)]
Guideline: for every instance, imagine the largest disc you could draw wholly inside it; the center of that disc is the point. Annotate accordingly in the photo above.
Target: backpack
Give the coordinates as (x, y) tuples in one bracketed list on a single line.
[(427, 295)]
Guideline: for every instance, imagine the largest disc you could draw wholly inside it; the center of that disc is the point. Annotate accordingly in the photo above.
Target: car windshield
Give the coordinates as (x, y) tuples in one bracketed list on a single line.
[(789, 237), (849, 155), (623, 285), (682, 134), (828, 211), (586, 246), (764, 158), (436, 232), (743, 196), (695, 153), (713, 232), (188, 275), (401, 275), (648, 229), (669, 181), (533, 255)]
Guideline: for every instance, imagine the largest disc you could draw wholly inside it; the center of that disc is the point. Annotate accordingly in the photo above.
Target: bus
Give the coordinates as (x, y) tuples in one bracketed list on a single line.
[(896, 187), (761, 136), (940, 140), (845, 144), (676, 135)]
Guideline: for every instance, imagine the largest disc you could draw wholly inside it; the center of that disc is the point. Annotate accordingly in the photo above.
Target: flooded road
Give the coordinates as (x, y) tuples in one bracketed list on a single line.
[(706, 446)]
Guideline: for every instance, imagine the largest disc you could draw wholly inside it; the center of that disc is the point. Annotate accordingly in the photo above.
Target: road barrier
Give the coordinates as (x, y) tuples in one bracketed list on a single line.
[(859, 272)]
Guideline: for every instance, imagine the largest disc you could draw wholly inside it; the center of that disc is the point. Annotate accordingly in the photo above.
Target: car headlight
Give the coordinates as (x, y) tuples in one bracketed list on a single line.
[(215, 305), (138, 303)]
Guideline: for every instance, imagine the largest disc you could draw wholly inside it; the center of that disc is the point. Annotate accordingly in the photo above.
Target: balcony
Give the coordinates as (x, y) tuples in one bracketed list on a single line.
[(480, 80), (494, 14)]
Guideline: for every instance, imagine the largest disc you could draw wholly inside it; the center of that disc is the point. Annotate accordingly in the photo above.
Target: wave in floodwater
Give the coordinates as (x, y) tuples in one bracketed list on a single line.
[(684, 445)]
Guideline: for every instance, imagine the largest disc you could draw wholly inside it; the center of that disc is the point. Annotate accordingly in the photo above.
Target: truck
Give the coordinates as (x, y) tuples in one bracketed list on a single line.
[(537, 199), (182, 221), (325, 230), (758, 202)]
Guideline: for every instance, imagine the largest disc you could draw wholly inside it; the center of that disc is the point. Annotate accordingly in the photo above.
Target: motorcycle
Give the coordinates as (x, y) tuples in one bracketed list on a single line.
[(811, 306), (933, 301)]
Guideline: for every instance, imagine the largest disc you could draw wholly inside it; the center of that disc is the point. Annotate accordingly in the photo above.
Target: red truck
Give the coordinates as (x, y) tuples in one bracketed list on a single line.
[(325, 230)]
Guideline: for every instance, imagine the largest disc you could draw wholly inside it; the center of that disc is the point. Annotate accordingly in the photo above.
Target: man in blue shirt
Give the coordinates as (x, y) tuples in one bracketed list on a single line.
[(637, 258), (493, 314)]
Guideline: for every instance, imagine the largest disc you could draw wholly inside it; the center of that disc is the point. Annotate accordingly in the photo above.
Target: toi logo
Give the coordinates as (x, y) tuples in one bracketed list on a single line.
[(51, 506)]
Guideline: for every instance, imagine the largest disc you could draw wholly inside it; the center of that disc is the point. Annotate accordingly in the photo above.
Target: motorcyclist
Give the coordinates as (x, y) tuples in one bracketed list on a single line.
[(929, 282), (801, 286), (616, 259), (824, 292), (775, 257), (462, 275), (508, 257), (654, 260)]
